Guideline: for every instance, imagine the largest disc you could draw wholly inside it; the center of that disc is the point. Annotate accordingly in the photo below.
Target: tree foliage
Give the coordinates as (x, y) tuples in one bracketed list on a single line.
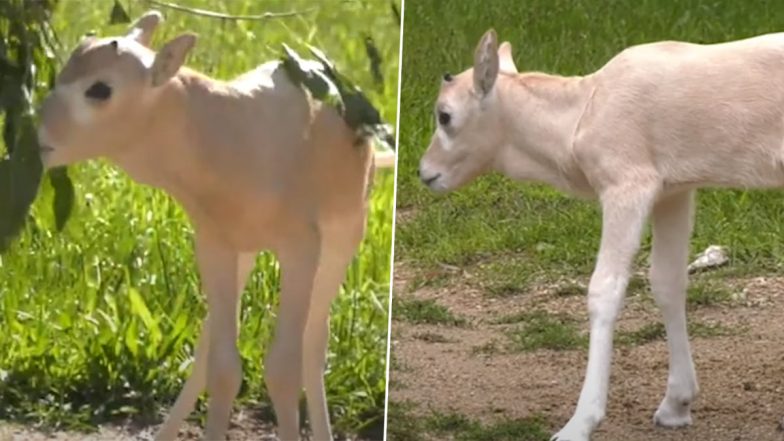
[(27, 70)]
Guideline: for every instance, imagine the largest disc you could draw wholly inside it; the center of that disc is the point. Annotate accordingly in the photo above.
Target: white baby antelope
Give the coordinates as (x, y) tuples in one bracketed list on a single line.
[(257, 164), (641, 134)]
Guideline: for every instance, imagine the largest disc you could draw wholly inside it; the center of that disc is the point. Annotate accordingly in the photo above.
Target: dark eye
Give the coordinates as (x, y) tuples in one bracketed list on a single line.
[(447, 77), (444, 118), (99, 91)]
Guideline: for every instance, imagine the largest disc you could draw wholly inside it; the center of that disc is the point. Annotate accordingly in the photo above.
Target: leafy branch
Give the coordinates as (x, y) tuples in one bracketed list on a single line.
[(27, 67), (326, 84)]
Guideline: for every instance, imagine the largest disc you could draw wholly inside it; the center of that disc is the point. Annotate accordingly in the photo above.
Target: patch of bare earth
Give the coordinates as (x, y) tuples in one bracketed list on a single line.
[(246, 425), (471, 370)]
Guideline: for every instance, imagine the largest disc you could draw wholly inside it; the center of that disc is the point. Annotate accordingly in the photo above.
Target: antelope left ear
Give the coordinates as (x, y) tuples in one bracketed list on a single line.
[(506, 63), (486, 63), (144, 27)]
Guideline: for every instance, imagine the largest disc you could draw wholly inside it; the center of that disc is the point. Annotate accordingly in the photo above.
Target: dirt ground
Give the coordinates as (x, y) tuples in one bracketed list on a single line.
[(245, 426), (741, 375)]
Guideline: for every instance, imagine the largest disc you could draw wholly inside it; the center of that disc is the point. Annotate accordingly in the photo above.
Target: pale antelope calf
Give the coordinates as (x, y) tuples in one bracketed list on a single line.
[(641, 134), (257, 164)]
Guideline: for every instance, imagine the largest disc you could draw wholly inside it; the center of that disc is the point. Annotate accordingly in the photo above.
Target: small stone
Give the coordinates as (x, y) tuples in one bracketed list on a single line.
[(713, 256)]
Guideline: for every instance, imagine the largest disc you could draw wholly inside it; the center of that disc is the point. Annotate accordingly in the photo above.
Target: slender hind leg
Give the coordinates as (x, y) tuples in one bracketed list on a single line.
[(283, 363), (197, 380), (672, 225), (338, 247), (194, 386)]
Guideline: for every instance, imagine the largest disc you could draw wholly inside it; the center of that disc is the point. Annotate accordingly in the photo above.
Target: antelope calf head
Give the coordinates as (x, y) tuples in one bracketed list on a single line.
[(105, 93), (469, 120)]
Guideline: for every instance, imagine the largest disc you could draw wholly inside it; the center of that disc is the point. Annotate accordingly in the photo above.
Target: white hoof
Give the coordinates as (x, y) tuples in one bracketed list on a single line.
[(574, 431), (673, 414)]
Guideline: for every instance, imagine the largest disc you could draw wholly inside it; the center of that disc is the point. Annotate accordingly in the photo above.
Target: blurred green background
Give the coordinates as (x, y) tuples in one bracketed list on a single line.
[(98, 322)]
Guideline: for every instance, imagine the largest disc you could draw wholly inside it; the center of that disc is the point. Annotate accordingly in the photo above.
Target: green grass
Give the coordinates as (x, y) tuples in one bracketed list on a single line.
[(432, 337), (461, 428), (99, 321), (403, 426), (645, 334), (503, 277), (707, 292), (542, 234), (651, 332), (425, 312), (458, 427), (489, 348), (570, 289), (540, 330)]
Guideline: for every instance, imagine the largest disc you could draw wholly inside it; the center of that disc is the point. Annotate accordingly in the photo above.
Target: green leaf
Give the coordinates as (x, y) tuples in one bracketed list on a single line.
[(23, 60), (63, 196), (328, 65), (327, 84), (20, 176), (395, 13), (374, 56), (139, 309), (118, 14), (9, 128), (310, 74), (130, 338)]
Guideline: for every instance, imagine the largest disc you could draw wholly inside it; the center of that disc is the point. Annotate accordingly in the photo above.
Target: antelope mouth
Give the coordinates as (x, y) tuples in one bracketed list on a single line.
[(45, 153)]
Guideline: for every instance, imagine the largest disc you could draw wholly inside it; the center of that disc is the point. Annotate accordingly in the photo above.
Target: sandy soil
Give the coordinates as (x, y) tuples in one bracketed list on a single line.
[(741, 376)]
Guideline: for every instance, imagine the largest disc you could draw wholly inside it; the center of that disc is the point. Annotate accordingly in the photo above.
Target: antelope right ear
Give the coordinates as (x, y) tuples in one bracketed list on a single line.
[(144, 27), (486, 63), (506, 63)]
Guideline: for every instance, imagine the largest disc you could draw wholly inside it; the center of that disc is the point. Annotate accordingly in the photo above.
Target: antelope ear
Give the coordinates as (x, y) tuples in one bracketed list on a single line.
[(171, 57), (486, 63), (506, 63), (87, 40), (144, 27)]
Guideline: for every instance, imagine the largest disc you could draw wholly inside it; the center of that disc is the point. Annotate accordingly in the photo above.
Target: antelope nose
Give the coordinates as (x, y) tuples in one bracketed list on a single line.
[(430, 179)]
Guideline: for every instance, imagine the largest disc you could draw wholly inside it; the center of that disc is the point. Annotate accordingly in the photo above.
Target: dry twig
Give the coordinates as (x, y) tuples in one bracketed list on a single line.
[(213, 14)]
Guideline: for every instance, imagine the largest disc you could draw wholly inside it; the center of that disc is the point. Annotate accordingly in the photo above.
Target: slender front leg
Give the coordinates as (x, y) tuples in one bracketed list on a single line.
[(218, 265), (338, 248), (197, 380), (672, 224), (624, 211), (283, 365)]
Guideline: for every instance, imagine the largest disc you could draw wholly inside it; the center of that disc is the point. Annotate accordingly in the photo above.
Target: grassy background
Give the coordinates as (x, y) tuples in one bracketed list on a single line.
[(100, 320), (537, 231), (513, 236)]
